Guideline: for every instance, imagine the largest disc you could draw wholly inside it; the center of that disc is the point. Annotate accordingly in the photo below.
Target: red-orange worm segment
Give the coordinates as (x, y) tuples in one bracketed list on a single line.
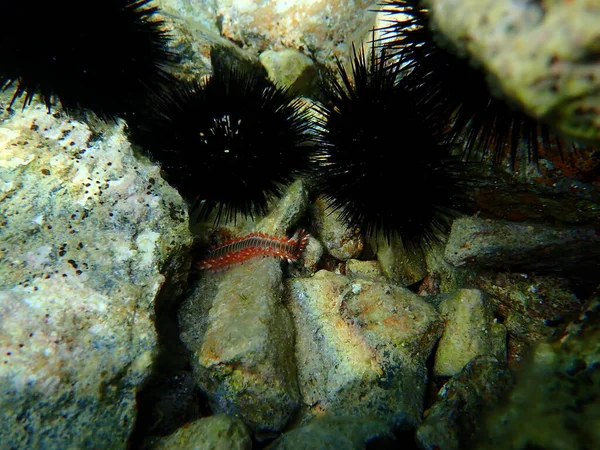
[(241, 249)]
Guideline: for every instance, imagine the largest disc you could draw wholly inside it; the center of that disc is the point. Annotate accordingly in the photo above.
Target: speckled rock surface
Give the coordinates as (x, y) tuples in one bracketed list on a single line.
[(241, 340), (532, 308), (470, 331), (524, 247), (543, 55), (333, 433), (218, 432), (455, 419), (90, 235), (240, 335), (361, 347), (342, 242), (369, 270), (320, 28)]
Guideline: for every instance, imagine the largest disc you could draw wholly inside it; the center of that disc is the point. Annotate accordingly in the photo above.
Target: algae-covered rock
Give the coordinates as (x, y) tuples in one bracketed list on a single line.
[(241, 341), (341, 241), (333, 433), (455, 419), (218, 432), (480, 243), (470, 331), (555, 404), (241, 336), (290, 69)]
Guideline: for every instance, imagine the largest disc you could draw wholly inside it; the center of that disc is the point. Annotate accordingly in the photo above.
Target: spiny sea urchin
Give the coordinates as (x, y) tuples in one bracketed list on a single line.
[(386, 164), (229, 143), (453, 88), (100, 56)]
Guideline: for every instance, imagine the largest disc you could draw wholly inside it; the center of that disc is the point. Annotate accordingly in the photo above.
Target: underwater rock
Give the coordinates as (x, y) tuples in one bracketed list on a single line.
[(520, 247), (319, 27), (341, 241), (240, 335), (455, 419), (470, 331), (361, 347), (554, 404), (531, 307), (291, 69), (401, 265), (241, 341), (366, 270), (218, 432), (333, 433), (541, 55), (91, 238)]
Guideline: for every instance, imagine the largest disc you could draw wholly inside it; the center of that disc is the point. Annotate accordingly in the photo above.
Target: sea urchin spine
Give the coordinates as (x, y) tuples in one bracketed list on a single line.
[(385, 162), (104, 56), (228, 144)]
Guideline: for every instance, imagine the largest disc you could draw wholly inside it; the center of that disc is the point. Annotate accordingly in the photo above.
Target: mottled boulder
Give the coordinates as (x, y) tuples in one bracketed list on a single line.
[(241, 336), (91, 236), (361, 347)]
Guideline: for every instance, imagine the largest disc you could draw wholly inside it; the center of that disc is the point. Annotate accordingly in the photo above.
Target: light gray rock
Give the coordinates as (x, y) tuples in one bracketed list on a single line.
[(361, 347), (480, 243), (91, 236)]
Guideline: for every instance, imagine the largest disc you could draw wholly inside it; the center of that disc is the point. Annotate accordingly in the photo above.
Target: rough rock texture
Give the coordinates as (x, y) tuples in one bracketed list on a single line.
[(342, 242), (333, 433), (370, 270), (555, 404), (241, 339), (524, 247), (361, 347), (400, 265), (240, 335), (291, 69), (455, 419), (218, 432), (543, 55), (532, 308), (470, 331), (90, 235), (318, 27)]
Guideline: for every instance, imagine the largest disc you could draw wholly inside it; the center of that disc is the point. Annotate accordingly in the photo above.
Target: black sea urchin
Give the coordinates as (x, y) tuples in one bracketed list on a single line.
[(453, 88), (230, 142), (101, 56), (385, 163)]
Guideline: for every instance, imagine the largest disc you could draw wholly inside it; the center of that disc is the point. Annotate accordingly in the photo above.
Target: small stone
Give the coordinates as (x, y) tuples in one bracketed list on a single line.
[(218, 432), (290, 69), (471, 331)]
